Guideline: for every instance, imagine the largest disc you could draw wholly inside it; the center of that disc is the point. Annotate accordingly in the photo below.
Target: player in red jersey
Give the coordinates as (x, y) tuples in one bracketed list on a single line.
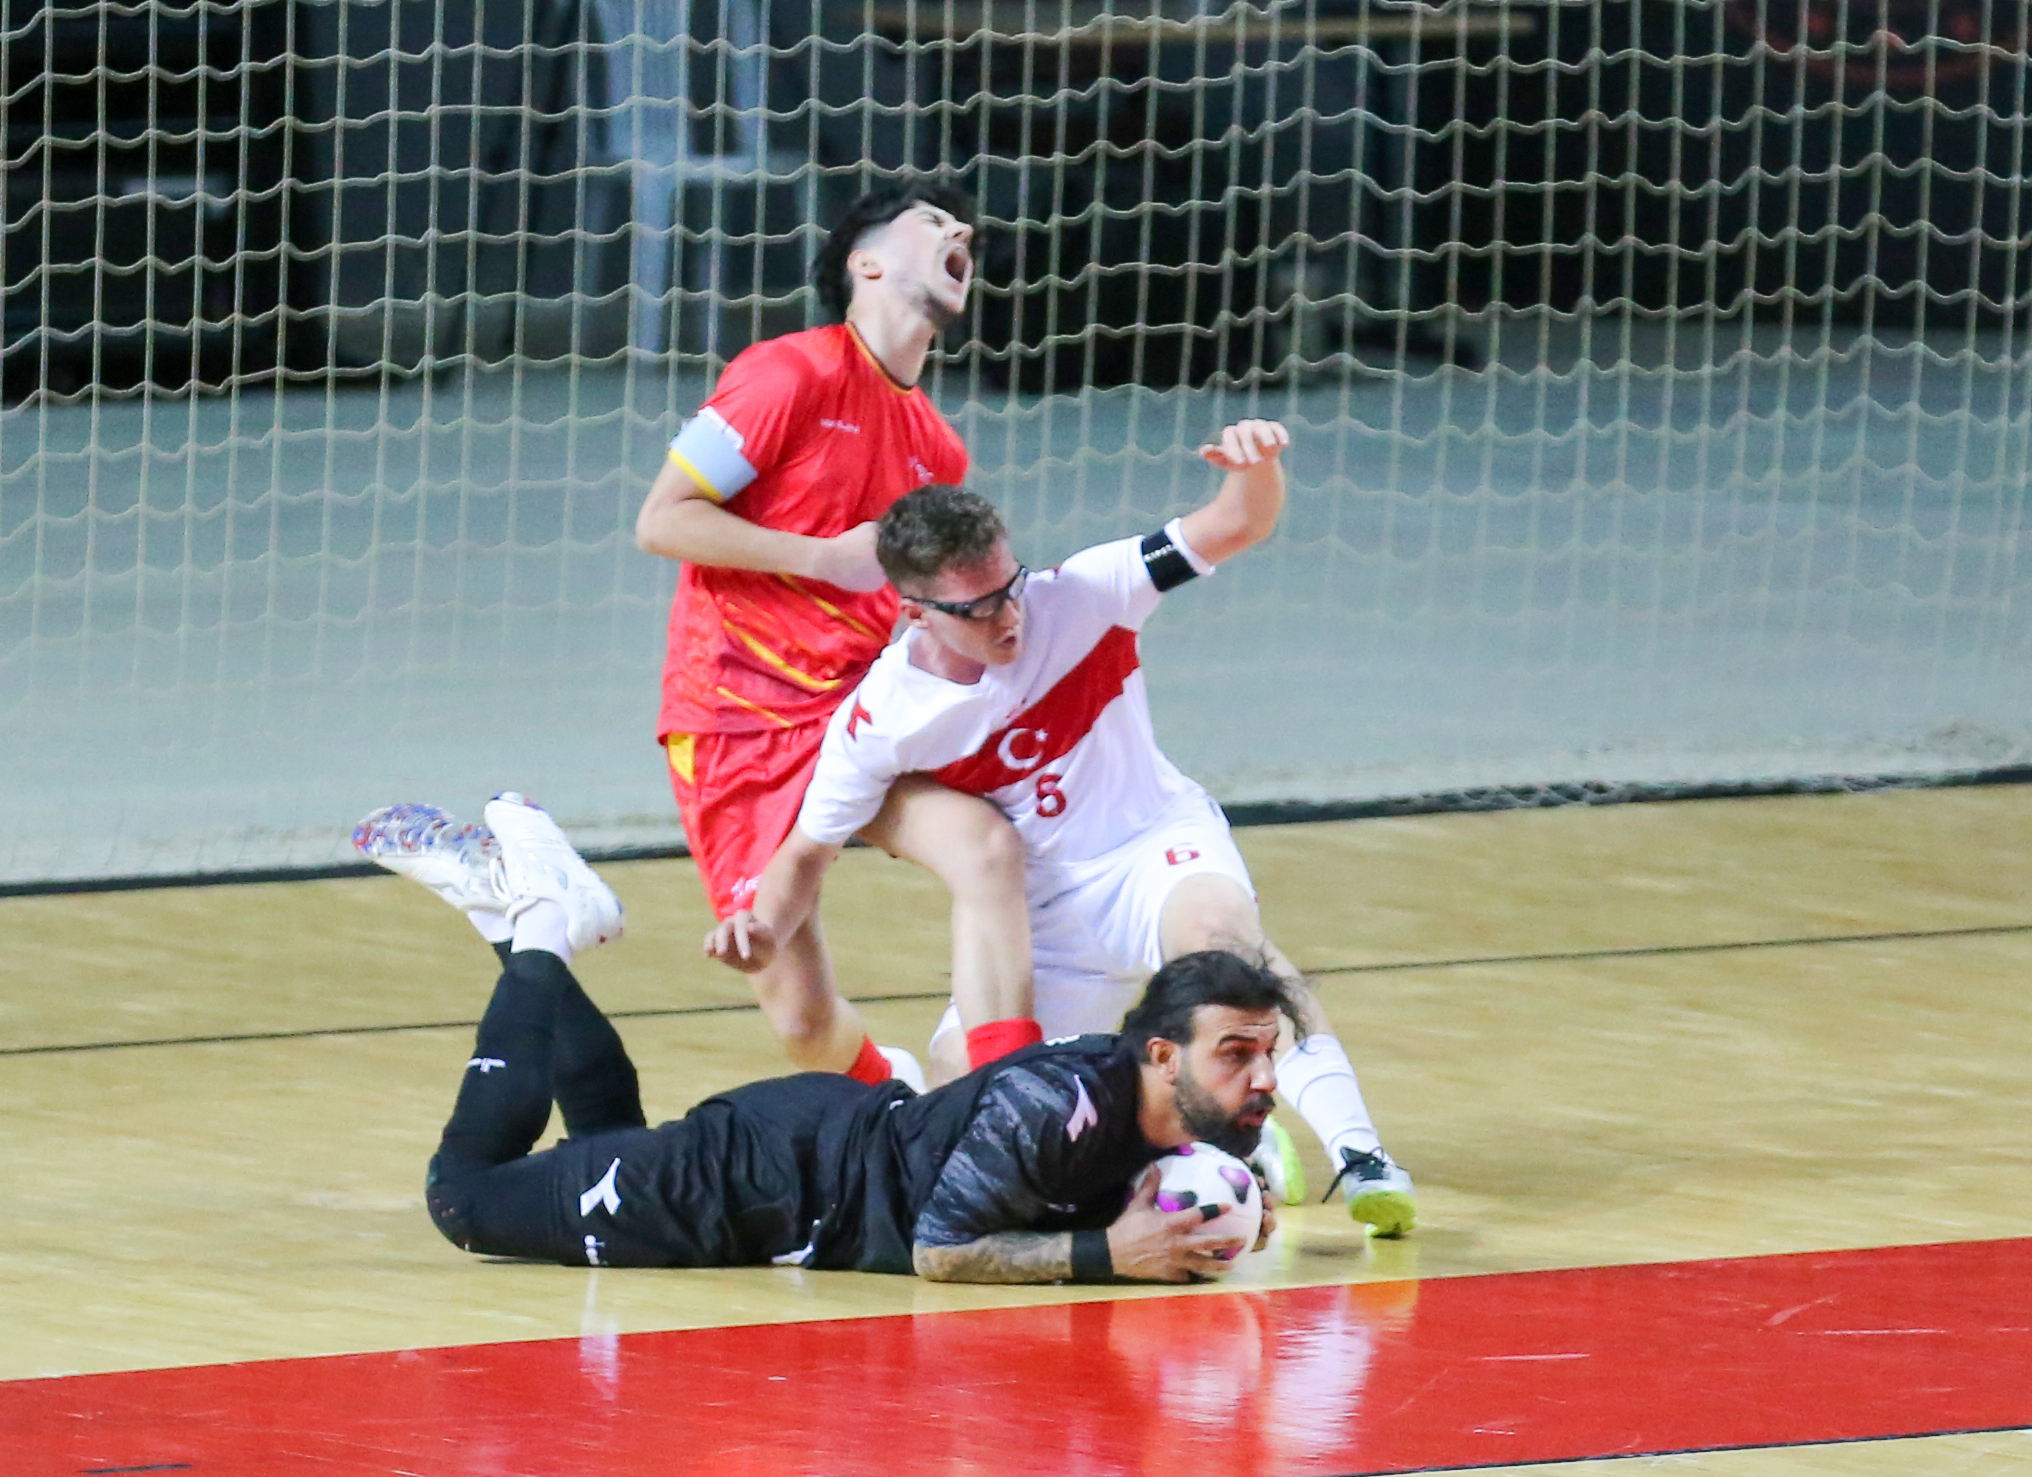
[(769, 499)]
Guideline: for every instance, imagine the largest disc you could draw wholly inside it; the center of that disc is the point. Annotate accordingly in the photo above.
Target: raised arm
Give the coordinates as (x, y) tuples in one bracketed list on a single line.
[(681, 520), (1245, 509)]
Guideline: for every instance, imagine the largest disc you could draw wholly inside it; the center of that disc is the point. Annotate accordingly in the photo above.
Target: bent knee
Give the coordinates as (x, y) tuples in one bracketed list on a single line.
[(1230, 935), (803, 1025), (450, 1203), (806, 1022), (1211, 912), (987, 858), (962, 840)]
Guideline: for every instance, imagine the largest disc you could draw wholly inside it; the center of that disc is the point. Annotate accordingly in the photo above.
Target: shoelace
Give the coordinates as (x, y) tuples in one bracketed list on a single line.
[(1358, 1164)]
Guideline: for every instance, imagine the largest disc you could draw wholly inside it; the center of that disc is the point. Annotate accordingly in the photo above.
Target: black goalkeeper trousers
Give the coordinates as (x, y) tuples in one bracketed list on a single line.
[(724, 1186)]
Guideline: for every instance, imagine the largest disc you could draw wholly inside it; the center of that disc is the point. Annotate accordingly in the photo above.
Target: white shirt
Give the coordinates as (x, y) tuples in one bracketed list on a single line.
[(1060, 739)]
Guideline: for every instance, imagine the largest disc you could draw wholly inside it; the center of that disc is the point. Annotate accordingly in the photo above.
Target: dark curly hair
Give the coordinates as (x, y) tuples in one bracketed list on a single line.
[(935, 528), (1210, 977), (878, 207)]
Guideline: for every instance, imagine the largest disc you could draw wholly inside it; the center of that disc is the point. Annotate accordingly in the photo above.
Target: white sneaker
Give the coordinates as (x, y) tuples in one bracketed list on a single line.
[(460, 863), (1379, 1192), (538, 863), (1276, 1160), (904, 1068)]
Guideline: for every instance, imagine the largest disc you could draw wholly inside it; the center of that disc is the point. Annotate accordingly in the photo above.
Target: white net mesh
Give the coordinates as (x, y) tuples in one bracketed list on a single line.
[(1658, 376)]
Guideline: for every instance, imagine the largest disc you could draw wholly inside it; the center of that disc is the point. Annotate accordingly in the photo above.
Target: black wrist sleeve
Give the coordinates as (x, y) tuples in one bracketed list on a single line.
[(1090, 1259), (1168, 566)]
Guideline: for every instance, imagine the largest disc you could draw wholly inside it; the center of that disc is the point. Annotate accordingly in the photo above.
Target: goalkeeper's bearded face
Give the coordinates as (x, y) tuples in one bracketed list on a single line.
[(1221, 1081)]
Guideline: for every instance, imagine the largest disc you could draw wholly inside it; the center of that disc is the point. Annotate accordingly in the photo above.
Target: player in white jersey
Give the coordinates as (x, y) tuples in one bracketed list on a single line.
[(1027, 689)]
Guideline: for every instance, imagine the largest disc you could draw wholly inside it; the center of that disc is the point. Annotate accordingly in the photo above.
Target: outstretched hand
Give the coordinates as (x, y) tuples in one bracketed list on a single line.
[(742, 941), (1246, 444), (1165, 1246)]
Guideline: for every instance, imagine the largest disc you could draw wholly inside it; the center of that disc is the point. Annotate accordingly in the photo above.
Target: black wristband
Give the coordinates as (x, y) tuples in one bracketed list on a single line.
[(1168, 566), (1090, 1259)]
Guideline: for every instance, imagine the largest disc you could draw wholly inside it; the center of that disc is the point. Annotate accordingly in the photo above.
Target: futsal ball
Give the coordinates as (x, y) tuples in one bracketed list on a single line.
[(1200, 1174)]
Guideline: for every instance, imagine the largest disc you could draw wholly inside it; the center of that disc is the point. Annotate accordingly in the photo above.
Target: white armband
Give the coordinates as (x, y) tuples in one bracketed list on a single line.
[(710, 450)]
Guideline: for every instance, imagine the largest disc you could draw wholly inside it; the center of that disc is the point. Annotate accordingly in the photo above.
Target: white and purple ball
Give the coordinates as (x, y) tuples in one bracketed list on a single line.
[(1200, 1174)]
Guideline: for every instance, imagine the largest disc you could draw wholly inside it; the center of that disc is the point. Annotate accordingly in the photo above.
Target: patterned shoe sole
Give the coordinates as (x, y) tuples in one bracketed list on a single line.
[(412, 829)]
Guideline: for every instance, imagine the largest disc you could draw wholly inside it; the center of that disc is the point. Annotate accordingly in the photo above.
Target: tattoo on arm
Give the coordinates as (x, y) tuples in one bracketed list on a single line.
[(1007, 1256)]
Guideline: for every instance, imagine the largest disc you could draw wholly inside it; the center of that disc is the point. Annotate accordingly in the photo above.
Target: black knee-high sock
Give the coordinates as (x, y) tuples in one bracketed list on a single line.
[(540, 1039), (591, 1077), (504, 1098)]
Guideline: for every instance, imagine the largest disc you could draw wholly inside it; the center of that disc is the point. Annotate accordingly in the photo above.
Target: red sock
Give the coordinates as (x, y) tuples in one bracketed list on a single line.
[(999, 1038), (870, 1066)]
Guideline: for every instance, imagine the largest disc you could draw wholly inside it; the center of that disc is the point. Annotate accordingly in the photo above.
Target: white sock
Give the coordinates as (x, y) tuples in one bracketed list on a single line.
[(494, 927), (544, 925), (1317, 1078)]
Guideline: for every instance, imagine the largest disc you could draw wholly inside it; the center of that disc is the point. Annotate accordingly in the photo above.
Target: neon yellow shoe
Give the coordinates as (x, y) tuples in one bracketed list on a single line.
[(1276, 1161), (1379, 1192)]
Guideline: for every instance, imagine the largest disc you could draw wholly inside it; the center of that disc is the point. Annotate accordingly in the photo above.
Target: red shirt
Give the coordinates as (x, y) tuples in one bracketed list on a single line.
[(833, 441)]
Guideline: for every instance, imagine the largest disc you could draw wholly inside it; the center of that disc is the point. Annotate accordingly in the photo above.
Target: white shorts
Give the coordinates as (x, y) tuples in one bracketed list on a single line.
[(1098, 940)]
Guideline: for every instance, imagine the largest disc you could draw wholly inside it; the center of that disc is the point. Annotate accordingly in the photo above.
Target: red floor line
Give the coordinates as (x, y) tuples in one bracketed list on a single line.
[(1370, 1378)]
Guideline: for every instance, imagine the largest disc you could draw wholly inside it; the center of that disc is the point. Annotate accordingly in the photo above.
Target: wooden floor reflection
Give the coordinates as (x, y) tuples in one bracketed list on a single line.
[(1597, 1037)]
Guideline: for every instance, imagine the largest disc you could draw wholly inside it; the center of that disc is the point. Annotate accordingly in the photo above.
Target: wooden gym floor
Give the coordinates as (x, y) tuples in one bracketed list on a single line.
[(1640, 1059)]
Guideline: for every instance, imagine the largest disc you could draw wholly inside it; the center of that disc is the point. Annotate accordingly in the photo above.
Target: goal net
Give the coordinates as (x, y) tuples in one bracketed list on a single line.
[(1657, 374)]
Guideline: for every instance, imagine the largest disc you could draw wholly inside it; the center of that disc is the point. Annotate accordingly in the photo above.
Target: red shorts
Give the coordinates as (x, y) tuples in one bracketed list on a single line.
[(738, 794)]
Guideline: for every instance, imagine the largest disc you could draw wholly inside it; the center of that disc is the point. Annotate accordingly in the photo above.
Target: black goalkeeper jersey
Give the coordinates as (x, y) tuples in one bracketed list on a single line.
[(816, 1169), (1044, 1139)]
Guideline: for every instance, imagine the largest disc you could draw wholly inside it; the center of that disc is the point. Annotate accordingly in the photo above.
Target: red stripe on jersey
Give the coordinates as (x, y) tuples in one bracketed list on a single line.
[(1049, 728)]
